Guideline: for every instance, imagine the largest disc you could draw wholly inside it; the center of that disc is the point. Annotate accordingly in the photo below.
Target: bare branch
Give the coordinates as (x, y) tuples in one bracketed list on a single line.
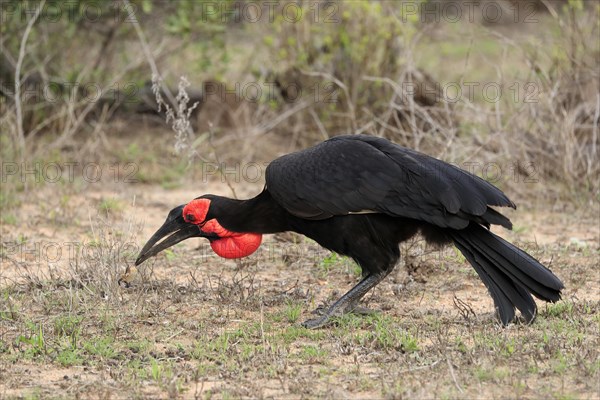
[(18, 105)]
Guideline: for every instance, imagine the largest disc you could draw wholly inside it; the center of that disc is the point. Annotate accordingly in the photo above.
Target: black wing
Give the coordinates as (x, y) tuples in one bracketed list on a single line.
[(360, 173)]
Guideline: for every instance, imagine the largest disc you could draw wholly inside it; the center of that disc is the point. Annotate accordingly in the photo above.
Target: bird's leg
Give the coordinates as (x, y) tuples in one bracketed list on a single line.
[(357, 309), (349, 301)]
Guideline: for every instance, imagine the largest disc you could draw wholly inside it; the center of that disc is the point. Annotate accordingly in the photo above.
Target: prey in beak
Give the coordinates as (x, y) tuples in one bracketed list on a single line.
[(175, 229)]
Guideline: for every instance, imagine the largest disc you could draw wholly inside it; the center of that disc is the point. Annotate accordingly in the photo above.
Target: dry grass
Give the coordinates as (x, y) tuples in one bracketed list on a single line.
[(192, 325)]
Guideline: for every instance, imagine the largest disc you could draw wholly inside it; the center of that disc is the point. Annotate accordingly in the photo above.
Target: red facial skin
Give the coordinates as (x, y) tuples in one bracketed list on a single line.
[(230, 244)]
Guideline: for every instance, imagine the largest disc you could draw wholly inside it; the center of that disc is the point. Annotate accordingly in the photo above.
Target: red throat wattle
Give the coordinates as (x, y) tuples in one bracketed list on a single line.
[(231, 244)]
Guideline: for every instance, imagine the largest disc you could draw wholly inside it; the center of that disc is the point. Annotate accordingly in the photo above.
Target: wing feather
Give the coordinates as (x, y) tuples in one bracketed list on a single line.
[(353, 173)]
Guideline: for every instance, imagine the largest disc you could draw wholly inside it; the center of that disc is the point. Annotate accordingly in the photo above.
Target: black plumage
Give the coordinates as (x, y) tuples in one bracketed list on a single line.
[(361, 196)]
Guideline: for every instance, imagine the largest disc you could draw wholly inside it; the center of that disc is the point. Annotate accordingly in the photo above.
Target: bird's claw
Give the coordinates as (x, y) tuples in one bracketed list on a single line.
[(320, 310), (326, 313), (360, 310), (315, 323)]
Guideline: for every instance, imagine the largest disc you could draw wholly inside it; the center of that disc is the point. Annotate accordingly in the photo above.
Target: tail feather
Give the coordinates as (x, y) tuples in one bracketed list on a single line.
[(507, 293), (510, 274), (534, 276)]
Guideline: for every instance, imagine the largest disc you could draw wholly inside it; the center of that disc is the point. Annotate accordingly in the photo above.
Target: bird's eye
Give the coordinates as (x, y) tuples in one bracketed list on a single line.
[(190, 217)]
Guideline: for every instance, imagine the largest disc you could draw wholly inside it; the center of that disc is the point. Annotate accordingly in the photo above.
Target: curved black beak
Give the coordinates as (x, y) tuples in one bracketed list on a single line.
[(177, 228)]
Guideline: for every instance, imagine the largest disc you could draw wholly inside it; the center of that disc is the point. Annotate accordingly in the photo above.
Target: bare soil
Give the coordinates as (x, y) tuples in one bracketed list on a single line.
[(192, 325)]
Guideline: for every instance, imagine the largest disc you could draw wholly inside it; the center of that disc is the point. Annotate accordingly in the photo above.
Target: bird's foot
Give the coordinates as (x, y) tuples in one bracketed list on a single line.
[(320, 310), (325, 314), (348, 302), (357, 310), (360, 310), (315, 323)]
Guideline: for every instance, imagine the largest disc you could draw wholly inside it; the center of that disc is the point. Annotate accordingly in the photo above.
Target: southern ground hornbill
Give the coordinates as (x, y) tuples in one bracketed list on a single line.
[(361, 196)]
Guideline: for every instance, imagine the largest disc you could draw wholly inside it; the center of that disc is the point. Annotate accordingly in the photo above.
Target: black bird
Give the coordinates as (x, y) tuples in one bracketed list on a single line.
[(360, 196)]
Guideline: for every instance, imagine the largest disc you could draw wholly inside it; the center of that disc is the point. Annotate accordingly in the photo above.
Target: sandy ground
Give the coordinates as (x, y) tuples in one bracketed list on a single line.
[(424, 287)]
